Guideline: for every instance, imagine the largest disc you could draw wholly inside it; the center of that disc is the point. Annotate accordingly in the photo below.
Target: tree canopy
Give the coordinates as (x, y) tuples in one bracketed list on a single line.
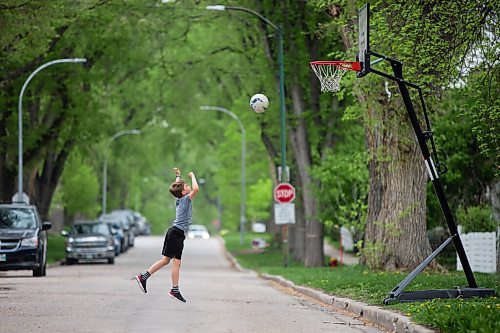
[(152, 64)]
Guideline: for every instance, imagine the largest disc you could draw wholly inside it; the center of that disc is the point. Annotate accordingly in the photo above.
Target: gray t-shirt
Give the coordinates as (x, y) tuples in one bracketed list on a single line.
[(183, 213)]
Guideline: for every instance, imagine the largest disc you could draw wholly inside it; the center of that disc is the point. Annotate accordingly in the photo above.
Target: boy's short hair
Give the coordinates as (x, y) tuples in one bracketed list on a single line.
[(177, 187)]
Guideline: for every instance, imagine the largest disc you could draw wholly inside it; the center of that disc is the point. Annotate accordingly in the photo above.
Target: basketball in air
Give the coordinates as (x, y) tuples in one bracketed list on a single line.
[(259, 103)]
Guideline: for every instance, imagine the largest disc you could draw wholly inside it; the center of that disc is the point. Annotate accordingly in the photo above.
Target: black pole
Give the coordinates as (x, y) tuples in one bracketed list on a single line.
[(397, 68)]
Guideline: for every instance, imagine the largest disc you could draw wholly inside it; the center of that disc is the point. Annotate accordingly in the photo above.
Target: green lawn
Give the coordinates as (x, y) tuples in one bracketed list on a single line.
[(55, 248), (360, 283)]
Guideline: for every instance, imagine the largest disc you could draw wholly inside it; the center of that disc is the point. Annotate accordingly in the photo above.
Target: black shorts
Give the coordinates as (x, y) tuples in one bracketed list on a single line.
[(174, 243)]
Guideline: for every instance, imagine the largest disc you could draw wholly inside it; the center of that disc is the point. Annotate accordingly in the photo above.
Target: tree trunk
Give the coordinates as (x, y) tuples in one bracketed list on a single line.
[(314, 254), (395, 234), (8, 180), (299, 229), (8, 172), (45, 183)]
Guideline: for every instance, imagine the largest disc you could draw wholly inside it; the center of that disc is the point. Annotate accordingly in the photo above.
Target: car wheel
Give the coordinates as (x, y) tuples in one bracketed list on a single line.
[(111, 261), (70, 261), (40, 271)]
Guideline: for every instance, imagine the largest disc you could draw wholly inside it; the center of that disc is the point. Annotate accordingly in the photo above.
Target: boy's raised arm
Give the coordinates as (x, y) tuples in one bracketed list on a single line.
[(194, 185)]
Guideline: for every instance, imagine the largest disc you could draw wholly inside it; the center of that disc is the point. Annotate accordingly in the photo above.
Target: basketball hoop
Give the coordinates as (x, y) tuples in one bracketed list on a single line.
[(329, 73)]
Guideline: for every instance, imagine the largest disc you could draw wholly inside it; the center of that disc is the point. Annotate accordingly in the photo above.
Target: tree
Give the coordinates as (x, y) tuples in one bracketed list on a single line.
[(55, 124), (312, 122), (432, 40), (79, 187)]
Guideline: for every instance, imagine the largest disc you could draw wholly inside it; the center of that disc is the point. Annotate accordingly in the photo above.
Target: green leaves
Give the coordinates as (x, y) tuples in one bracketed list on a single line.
[(154, 63), (80, 188), (476, 219)]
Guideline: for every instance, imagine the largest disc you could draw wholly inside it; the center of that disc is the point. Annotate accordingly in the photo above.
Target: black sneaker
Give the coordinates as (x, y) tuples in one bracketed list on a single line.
[(141, 282), (177, 295)]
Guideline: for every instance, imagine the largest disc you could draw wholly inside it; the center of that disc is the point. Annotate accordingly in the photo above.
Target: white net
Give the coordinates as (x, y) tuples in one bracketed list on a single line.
[(329, 75)]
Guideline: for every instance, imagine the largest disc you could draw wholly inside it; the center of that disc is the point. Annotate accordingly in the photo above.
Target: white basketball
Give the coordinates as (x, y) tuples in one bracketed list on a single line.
[(259, 103)]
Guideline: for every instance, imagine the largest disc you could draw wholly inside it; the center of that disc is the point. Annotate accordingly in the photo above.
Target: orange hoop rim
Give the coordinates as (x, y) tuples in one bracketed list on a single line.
[(340, 64)]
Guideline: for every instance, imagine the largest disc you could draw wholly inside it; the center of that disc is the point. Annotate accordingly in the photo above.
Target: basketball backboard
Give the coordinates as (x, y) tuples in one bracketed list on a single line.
[(364, 40)]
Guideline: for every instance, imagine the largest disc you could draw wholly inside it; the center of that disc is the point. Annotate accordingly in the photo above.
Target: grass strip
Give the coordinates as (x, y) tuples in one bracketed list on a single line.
[(55, 248)]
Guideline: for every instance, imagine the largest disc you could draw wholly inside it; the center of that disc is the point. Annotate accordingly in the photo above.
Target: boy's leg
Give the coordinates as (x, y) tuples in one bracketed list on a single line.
[(176, 266), (143, 277), (174, 292)]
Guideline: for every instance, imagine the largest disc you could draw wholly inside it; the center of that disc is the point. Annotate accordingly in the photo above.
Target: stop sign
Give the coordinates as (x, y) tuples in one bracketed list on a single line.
[(284, 193)]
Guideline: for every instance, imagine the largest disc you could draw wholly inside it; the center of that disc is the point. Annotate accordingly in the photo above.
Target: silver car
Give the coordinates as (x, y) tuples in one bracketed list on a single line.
[(89, 241)]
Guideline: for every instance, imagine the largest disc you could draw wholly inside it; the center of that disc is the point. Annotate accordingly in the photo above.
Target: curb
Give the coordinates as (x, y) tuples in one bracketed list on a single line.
[(392, 321), (55, 264), (389, 320)]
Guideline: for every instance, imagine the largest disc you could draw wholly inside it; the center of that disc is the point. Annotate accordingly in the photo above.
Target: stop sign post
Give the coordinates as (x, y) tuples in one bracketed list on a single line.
[(284, 213)]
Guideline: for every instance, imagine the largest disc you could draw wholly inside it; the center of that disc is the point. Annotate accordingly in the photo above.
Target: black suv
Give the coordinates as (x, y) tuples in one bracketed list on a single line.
[(23, 239)]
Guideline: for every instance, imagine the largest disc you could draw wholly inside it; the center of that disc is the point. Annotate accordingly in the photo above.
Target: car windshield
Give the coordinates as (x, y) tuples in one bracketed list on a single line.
[(17, 218), (91, 228)]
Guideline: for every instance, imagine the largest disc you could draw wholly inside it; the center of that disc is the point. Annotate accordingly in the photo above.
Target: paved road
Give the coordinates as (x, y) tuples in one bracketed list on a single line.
[(104, 298)]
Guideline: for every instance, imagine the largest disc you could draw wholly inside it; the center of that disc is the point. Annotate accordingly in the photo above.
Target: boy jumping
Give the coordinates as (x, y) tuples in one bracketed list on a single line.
[(174, 239)]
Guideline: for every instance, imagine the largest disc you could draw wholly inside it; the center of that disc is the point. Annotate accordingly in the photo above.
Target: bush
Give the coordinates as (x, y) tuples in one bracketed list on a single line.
[(476, 219)]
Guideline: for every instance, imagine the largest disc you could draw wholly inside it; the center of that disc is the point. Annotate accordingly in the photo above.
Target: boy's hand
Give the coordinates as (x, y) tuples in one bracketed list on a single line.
[(177, 172), (191, 175)]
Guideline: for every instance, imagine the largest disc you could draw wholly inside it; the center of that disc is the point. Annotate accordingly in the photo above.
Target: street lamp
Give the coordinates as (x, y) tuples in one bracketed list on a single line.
[(282, 103), (243, 174), (281, 73), (20, 119), (105, 165)]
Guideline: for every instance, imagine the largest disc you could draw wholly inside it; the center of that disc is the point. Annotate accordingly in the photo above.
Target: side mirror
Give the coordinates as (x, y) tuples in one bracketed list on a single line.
[(114, 231), (46, 225), (64, 233)]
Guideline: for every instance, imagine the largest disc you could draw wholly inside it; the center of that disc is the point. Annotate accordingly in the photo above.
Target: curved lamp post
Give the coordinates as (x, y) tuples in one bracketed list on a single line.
[(20, 119), (282, 104), (105, 164), (281, 73), (243, 174)]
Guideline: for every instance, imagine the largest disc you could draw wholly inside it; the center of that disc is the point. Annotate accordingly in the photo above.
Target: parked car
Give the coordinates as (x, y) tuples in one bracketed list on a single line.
[(198, 231), (121, 240), (128, 218), (117, 238), (141, 224), (23, 239), (120, 223), (147, 229), (89, 240)]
